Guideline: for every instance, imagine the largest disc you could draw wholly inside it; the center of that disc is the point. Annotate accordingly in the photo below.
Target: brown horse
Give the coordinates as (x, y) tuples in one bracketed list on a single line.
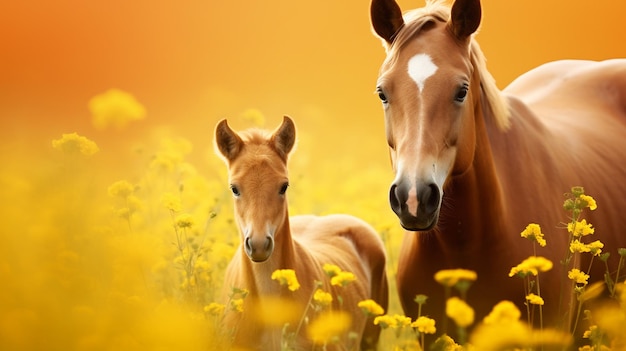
[(474, 165), (271, 240)]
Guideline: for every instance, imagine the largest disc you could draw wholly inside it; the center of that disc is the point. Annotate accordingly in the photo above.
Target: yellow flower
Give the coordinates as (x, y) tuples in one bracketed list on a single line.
[(577, 276), (532, 265), (370, 307), (577, 246), (446, 343), (534, 299), (331, 269), (184, 220), (274, 311), (342, 279), (75, 144), (595, 247), (121, 188), (402, 321), (580, 228), (504, 312), (214, 308), (460, 312), (386, 321), (450, 277), (286, 277), (591, 202), (533, 232), (115, 108), (592, 329), (425, 325), (328, 326), (236, 305), (171, 202), (322, 297)]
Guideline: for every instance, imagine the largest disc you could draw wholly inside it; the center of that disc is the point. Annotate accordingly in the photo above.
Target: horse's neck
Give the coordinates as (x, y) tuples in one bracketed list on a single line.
[(475, 210)]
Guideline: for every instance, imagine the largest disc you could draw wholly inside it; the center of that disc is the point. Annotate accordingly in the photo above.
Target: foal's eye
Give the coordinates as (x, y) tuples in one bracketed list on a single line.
[(461, 94), (283, 189), (381, 95), (235, 190)]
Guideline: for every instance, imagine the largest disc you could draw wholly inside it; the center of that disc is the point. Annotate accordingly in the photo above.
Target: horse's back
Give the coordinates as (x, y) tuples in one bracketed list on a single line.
[(576, 86), (321, 232), (568, 128), (354, 246)]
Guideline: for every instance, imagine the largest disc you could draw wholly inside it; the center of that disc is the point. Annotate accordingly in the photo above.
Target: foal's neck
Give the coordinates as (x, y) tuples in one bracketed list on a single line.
[(283, 257)]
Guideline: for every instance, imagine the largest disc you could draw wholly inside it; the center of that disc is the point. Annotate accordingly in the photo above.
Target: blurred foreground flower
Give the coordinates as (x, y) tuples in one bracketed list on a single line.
[(460, 312), (75, 144), (328, 326), (115, 108)]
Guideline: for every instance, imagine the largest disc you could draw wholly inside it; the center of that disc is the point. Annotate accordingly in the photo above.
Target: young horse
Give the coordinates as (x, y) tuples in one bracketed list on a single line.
[(475, 165), (271, 240)]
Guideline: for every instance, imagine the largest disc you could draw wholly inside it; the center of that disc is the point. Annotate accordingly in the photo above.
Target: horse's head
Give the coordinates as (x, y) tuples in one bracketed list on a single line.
[(257, 167), (429, 90)]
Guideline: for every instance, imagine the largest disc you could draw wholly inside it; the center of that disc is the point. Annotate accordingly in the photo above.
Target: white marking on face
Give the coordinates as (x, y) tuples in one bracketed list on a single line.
[(421, 67)]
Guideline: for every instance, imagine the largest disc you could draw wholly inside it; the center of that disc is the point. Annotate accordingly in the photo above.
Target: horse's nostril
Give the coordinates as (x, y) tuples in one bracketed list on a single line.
[(268, 243), (430, 198), (247, 244), (394, 201)]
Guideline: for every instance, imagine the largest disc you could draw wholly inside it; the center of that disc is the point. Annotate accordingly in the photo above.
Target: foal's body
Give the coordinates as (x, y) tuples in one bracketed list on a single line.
[(475, 165), (272, 240)]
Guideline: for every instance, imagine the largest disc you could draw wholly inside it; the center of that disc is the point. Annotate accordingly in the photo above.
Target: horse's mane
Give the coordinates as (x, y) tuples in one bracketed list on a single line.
[(435, 10), (255, 136)]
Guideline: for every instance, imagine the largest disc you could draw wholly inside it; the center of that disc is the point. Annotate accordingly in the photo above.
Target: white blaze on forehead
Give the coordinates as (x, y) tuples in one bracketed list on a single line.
[(421, 67)]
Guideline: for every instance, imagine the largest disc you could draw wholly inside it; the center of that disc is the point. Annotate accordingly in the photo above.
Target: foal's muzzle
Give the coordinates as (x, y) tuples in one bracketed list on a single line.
[(416, 205), (259, 249)]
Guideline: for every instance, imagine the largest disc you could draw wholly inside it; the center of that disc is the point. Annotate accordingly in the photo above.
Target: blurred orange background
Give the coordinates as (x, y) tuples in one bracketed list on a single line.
[(193, 62), (65, 245)]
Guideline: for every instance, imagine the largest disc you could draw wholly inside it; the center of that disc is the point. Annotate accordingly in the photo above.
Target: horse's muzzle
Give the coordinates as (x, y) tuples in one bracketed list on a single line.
[(416, 206), (259, 249)]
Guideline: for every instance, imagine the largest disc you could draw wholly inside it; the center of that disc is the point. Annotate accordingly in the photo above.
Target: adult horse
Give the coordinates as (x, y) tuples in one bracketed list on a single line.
[(271, 240), (474, 165)]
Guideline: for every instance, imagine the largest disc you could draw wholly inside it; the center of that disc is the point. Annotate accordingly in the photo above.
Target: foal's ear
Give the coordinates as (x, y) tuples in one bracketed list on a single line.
[(227, 141), (465, 18), (284, 137), (386, 18)]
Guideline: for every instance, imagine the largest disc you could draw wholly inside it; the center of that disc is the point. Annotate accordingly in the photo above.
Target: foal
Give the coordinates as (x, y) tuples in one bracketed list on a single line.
[(271, 240)]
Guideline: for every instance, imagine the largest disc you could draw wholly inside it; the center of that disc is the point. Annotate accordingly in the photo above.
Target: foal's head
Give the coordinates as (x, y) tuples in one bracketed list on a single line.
[(429, 89), (257, 168)]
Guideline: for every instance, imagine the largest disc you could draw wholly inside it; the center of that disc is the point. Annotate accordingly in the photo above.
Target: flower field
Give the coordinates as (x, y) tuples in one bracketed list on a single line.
[(98, 257)]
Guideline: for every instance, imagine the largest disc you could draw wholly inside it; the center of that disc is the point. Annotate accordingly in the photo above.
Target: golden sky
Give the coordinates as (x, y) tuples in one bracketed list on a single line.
[(193, 62)]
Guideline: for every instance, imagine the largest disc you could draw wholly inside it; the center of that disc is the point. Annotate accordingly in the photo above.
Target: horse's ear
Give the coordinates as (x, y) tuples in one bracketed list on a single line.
[(386, 18), (284, 137), (227, 141), (465, 18)]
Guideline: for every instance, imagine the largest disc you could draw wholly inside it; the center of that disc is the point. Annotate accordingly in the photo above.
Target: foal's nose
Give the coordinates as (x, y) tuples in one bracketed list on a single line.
[(259, 249), (416, 205)]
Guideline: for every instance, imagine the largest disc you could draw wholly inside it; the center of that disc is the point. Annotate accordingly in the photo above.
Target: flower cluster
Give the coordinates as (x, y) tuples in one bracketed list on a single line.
[(287, 277), (75, 144), (531, 266)]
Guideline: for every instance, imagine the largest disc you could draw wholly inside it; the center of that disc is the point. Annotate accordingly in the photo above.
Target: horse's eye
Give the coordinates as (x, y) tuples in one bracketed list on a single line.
[(283, 189), (461, 94), (381, 96), (235, 190)]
